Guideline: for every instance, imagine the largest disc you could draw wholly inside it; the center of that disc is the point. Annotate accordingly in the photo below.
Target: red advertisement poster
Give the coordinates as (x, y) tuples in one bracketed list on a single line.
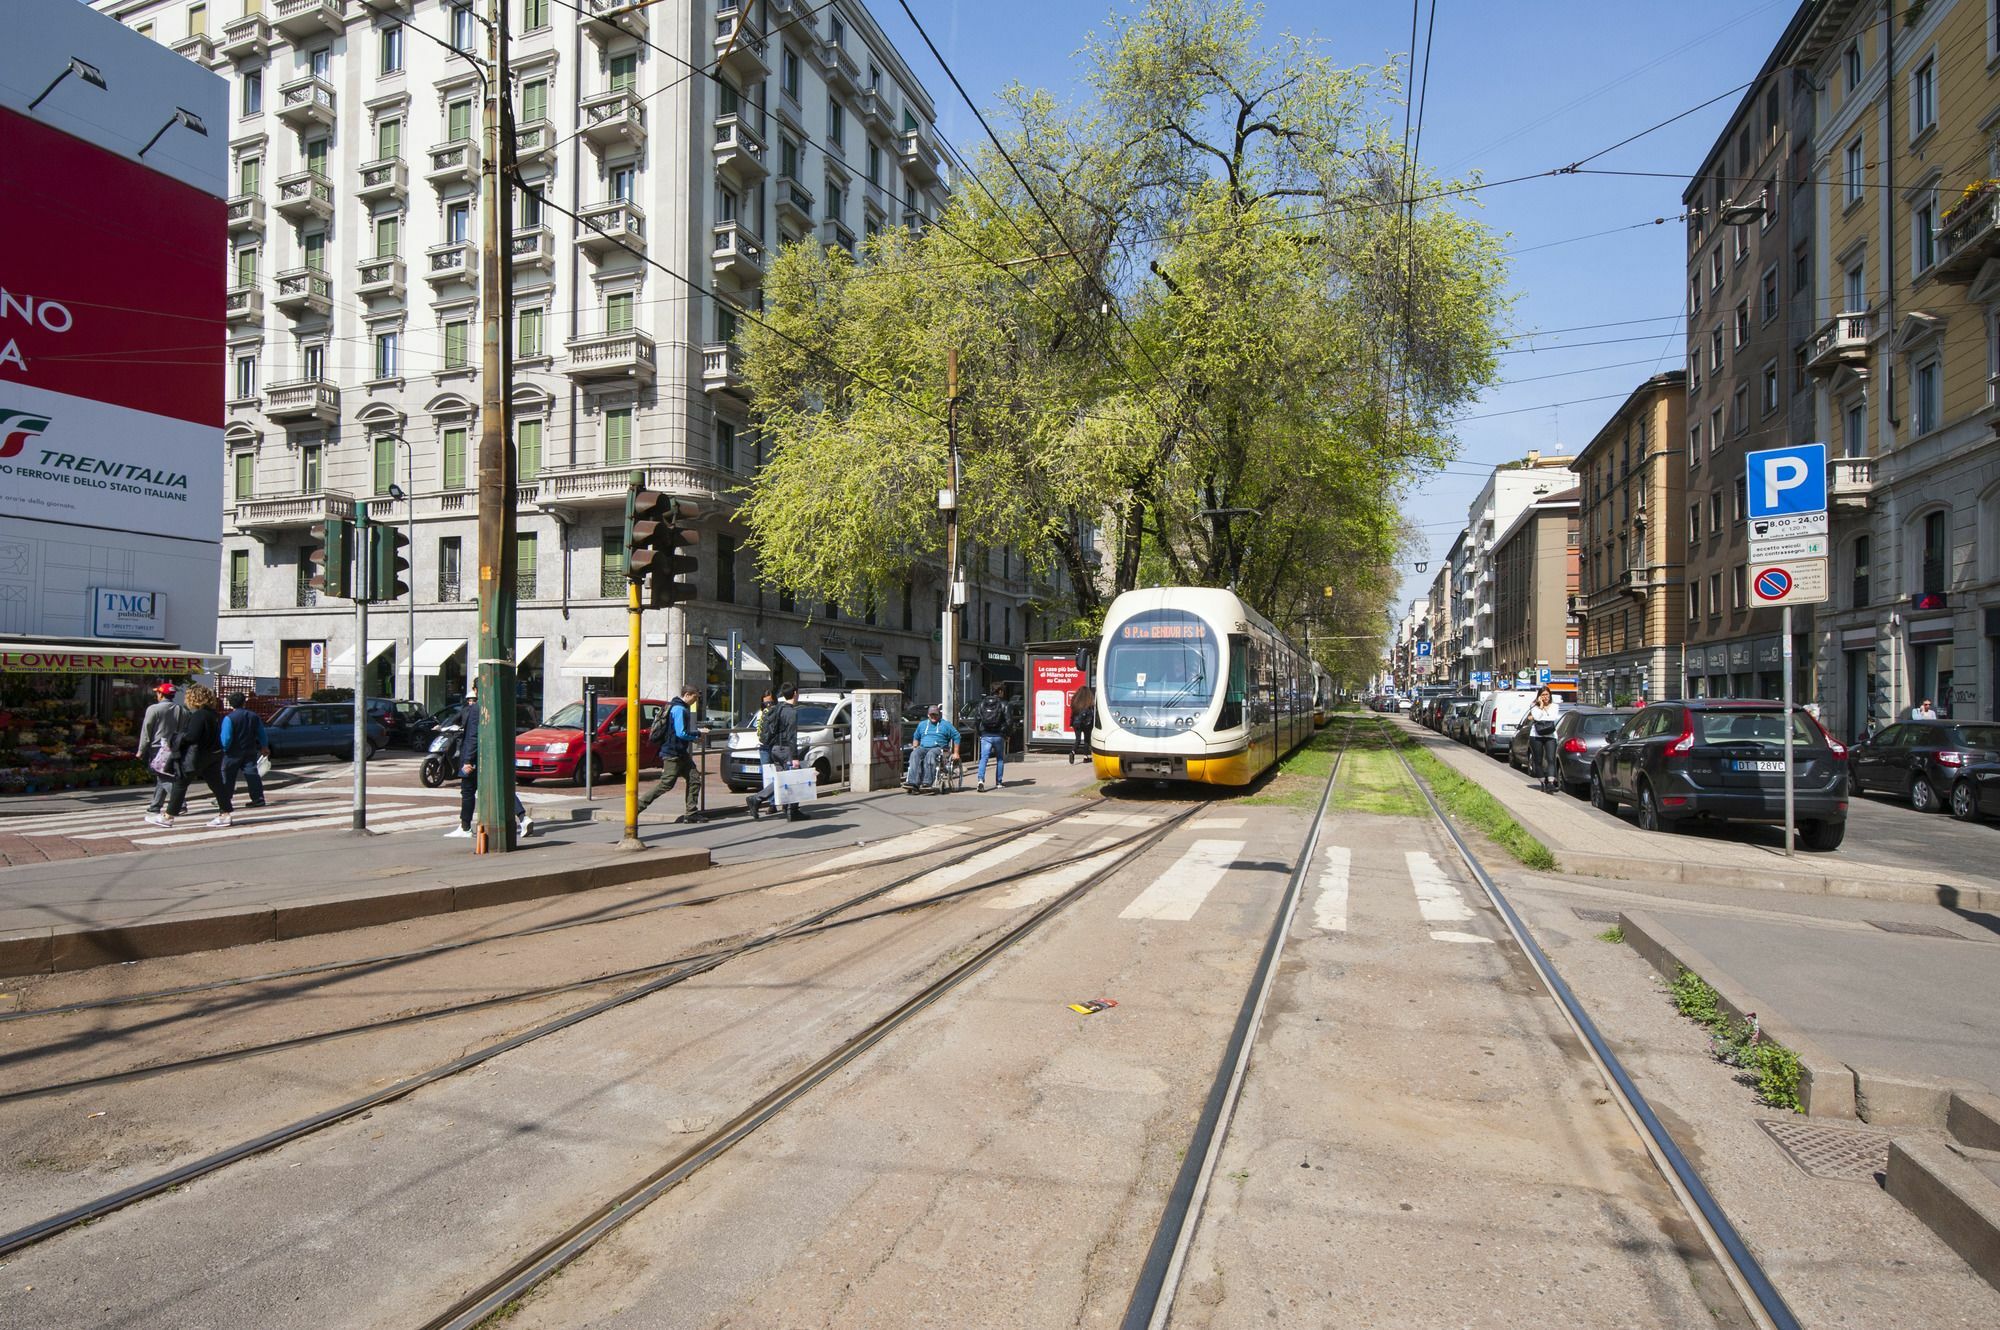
[(1051, 680)]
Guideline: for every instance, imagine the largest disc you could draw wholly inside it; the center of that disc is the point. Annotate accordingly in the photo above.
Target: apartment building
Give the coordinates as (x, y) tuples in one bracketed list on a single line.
[(1633, 548), (353, 319), (1750, 257), (1905, 356), (1438, 621), (1534, 588), (1507, 493)]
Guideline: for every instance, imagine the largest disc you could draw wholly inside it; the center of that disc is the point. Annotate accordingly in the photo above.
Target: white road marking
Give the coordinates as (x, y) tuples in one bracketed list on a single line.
[(900, 845), (1330, 906), (188, 827), (943, 879), (1220, 824), (1045, 886), (1447, 935), (295, 815), (1177, 893), (1437, 899), (1023, 815), (1113, 819)]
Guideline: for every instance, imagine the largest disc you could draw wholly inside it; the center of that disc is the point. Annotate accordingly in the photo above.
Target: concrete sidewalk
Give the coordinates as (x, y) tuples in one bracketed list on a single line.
[(1593, 844)]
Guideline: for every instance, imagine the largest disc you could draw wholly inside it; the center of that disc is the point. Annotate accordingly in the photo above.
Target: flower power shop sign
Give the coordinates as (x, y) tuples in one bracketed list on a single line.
[(86, 660)]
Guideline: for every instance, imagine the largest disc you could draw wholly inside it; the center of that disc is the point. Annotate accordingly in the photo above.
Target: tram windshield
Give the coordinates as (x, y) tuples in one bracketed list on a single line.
[(1161, 660)]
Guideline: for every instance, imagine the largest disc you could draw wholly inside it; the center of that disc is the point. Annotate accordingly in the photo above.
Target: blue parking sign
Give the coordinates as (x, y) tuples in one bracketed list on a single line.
[(1543, 674), (1783, 482), (1423, 649)]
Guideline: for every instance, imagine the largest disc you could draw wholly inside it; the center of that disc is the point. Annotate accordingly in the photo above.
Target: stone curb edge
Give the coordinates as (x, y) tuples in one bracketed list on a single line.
[(56, 949), (1947, 894)]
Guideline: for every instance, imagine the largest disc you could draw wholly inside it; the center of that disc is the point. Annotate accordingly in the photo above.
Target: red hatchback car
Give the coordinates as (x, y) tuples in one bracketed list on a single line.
[(554, 749)]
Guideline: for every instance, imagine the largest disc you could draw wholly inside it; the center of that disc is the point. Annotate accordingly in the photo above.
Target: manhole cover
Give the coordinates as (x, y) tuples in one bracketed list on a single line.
[(1916, 930), (1844, 1154), (1594, 916)]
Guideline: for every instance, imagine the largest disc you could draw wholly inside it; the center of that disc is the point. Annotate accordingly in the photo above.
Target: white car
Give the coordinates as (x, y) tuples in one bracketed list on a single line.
[(1499, 715)]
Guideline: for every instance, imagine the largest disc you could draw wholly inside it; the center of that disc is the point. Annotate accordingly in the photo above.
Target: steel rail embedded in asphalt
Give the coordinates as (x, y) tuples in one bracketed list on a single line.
[(1760, 1298), (1159, 1277), (525, 1274), (96, 1209)]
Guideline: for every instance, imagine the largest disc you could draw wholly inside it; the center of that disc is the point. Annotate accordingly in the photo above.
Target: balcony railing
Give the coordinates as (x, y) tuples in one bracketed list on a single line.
[(1850, 481), (304, 103), (304, 291), (239, 596), (301, 19), (455, 163), (615, 118), (534, 247), (534, 142), (876, 112), (198, 47), (1970, 236), (603, 228), (1843, 341), (612, 581), (920, 154), (243, 304), (524, 583), (380, 277), (303, 399), (304, 195), (619, 355), (247, 37), (739, 151), (794, 201), (246, 213), (454, 261), (842, 73), (738, 252), (602, 486), (384, 178), (739, 47), (449, 592), (722, 368), (292, 511), (607, 19)]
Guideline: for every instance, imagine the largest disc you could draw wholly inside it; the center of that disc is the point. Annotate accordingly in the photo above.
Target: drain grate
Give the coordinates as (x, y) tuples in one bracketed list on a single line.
[(1594, 916), (1915, 930), (1844, 1154)]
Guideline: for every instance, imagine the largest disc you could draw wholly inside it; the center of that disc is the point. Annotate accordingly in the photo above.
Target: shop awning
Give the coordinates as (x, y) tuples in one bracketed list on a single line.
[(344, 662), (31, 658), (881, 668), (595, 657), (747, 661), (434, 652), (525, 647), (802, 665), (843, 665)]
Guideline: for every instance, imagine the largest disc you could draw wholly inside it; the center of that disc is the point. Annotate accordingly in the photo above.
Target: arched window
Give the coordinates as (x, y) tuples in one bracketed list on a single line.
[(1936, 551)]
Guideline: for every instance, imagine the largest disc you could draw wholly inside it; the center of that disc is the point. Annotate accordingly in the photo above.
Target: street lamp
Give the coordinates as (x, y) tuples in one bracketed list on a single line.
[(83, 69)]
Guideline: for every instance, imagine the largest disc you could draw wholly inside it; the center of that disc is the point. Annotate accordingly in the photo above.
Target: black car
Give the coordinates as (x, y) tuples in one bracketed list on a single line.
[(399, 720), (1724, 761), (1579, 734), (1935, 764)]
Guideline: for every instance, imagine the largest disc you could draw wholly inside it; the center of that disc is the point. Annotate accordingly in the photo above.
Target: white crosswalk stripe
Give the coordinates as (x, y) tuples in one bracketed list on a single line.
[(915, 841), (1438, 900), (979, 865), (1046, 886), (1330, 906), (414, 819), (1221, 824), (125, 821), (1023, 815), (1179, 892), (1113, 819)]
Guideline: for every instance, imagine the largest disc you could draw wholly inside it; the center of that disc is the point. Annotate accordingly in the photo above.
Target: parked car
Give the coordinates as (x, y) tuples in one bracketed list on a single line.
[(554, 749), (1517, 743), (1499, 715), (306, 729), (399, 720), (823, 743), (1935, 764), (1725, 761), (1579, 734), (1458, 717), (425, 730)]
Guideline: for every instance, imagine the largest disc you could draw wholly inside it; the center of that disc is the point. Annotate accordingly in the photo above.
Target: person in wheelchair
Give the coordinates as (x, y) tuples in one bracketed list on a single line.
[(935, 738)]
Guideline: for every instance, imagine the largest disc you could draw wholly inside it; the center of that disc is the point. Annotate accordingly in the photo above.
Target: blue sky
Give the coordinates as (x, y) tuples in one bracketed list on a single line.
[(1516, 86)]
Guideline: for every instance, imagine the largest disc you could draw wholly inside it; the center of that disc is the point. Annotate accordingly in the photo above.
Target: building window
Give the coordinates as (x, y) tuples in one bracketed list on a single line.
[(1801, 272), (1924, 386), (789, 73), (1852, 174), (1923, 97), (253, 92), (527, 210), (1714, 430), (624, 180), (1856, 438), (875, 169), (1714, 595), (1853, 62), (612, 577), (312, 362), (250, 175), (725, 568), (463, 30), (1739, 243), (1715, 351), (1858, 591), (1770, 387), (320, 61), (1739, 409), (1923, 237), (527, 449), (1694, 294), (618, 312), (725, 445), (384, 462), (1736, 587), (454, 344), (528, 332), (245, 486), (239, 579), (458, 121), (836, 123), (388, 236), (1770, 293), (246, 376), (1694, 522), (1854, 290), (451, 555), (1770, 217), (1742, 325), (526, 548), (624, 71), (1694, 445), (1715, 513), (391, 46), (388, 354), (535, 100), (1936, 548), (388, 138), (1738, 496), (1715, 268), (1694, 600), (618, 434), (454, 457), (534, 14), (309, 470)]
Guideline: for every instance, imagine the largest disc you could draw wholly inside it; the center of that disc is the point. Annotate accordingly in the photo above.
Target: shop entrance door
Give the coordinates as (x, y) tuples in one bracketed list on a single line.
[(298, 669)]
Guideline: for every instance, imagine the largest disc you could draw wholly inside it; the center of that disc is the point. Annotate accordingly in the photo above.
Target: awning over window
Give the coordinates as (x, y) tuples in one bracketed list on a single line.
[(344, 662), (843, 665), (595, 657), (802, 665), (881, 668), (747, 661), (525, 647), (434, 652)]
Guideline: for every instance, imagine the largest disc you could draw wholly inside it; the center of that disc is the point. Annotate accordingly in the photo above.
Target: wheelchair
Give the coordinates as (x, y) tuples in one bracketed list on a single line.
[(946, 775)]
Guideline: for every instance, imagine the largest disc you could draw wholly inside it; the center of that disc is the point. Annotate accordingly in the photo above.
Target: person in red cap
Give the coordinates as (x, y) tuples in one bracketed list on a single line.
[(157, 725)]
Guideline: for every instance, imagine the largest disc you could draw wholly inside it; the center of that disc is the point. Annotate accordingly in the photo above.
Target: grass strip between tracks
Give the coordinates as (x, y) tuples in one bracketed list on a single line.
[(1470, 802)]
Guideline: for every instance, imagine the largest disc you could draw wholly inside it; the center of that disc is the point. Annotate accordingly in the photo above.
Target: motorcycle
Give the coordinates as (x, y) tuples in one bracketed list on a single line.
[(441, 762)]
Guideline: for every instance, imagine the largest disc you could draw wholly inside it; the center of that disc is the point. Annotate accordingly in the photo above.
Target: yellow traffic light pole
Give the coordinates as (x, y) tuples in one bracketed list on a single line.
[(631, 840)]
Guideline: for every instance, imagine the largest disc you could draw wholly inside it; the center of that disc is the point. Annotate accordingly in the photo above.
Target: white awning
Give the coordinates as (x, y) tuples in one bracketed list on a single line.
[(344, 662), (595, 657), (434, 652), (747, 661), (881, 668), (802, 665), (843, 665), (525, 647)]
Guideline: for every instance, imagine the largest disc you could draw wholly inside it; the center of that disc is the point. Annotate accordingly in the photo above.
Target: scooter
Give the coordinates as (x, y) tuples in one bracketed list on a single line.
[(441, 762)]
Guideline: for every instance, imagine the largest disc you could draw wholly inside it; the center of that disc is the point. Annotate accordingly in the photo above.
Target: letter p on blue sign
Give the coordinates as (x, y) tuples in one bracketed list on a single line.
[(1785, 482)]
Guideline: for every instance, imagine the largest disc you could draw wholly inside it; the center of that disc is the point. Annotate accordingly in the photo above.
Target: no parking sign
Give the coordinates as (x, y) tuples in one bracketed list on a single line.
[(1795, 582)]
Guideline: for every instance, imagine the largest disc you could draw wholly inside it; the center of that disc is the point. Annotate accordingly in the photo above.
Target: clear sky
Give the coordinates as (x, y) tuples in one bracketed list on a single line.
[(1516, 86)]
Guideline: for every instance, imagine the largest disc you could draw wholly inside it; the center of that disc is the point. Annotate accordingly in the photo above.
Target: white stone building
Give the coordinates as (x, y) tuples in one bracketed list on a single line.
[(1507, 494)]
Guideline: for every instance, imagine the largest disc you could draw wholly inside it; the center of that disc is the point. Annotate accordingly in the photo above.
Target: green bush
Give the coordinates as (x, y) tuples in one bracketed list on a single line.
[(1740, 1043)]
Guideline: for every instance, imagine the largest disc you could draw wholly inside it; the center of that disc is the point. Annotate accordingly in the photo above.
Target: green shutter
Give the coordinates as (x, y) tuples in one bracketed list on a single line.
[(251, 175), (624, 72), (389, 139), (454, 345), (316, 156), (528, 449), (246, 464), (388, 232), (528, 338), (618, 435), (525, 548), (385, 462), (535, 100), (246, 267), (454, 459), (457, 122), (618, 312)]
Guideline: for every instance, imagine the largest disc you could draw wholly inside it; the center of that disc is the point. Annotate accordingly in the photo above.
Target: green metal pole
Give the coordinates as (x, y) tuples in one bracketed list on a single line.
[(494, 822)]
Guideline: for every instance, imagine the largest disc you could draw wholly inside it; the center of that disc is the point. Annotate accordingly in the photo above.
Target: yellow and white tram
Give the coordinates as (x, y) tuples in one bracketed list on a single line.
[(1194, 685)]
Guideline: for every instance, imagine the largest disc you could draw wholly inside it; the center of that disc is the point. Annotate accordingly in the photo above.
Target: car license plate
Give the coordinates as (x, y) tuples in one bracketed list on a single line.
[(1756, 766), (523, 762), (1143, 768)]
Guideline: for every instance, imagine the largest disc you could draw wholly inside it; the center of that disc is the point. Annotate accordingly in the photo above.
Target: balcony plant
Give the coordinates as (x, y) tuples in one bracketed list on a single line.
[(1972, 196)]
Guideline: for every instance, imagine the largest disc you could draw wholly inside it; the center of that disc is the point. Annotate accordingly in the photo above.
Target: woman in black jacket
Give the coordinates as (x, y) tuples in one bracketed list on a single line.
[(198, 756)]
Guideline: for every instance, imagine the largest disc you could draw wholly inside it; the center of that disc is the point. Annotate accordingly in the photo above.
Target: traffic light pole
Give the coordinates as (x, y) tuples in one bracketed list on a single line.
[(948, 631), (361, 537), (632, 719)]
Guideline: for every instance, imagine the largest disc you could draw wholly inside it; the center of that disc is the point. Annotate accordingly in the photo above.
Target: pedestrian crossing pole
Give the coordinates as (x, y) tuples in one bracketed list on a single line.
[(359, 585)]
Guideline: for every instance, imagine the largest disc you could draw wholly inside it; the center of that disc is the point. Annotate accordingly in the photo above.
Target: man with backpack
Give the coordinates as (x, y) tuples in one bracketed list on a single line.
[(778, 731), (677, 737), (992, 721), (243, 743)]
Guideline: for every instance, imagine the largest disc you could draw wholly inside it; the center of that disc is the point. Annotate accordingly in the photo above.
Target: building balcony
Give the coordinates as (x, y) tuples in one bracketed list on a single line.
[(246, 38), (614, 120), (307, 103), (579, 488), (739, 151), (722, 368), (1970, 236), (302, 20), (198, 47), (243, 306), (246, 215), (534, 143), (607, 20), (835, 235), (1842, 343), (454, 261), (842, 73), (611, 357), (795, 202), (740, 49), (738, 253), (454, 163), (305, 196), (303, 291), (379, 277), (1849, 482), (608, 228), (876, 113), (303, 401), (920, 155), (384, 178), (266, 519), (534, 248)]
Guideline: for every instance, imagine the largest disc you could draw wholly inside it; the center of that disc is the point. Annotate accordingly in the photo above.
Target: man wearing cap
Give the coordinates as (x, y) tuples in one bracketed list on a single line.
[(158, 727), (927, 748)]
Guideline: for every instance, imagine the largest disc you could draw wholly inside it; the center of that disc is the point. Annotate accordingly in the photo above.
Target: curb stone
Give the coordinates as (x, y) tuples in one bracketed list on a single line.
[(1953, 1197)]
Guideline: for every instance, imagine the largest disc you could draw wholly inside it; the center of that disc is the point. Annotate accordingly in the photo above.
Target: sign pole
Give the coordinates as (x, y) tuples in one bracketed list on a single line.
[(632, 614), (590, 748), (1786, 630), (360, 587)]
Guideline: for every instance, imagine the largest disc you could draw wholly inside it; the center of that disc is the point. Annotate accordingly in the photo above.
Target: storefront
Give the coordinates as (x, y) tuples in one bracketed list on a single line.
[(729, 694), (69, 715), (1932, 663)]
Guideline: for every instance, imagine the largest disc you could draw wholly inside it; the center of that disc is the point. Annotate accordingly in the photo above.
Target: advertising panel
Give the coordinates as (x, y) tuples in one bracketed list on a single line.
[(1051, 680)]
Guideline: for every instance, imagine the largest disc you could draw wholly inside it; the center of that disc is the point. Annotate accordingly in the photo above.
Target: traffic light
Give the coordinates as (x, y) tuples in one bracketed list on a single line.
[(387, 562), (667, 587), (335, 539), (648, 513)]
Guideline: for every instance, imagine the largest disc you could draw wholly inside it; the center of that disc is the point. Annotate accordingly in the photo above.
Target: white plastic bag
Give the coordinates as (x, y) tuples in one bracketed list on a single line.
[(796, 787), (263, 765)]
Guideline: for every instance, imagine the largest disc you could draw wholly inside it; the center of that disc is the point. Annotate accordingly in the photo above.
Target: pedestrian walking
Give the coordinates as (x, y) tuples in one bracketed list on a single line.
[(244, 744), (1924, 711), (992, 718), (154, 730), (933, 738), (468, 774), (197, 757), (675, 733), (1082, 720), (1542, 718), (779, 733)]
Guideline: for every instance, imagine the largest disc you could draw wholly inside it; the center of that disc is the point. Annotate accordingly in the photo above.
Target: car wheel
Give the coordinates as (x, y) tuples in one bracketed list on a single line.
[(1924, 795), (1649, 810), (576, 777), (1854, 788), (1600, 797), (822, 774), (344, 754), (1821, 837), (1964, 803)]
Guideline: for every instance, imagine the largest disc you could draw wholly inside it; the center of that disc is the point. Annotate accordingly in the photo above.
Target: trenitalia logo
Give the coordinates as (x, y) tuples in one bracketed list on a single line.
[(16, 428)]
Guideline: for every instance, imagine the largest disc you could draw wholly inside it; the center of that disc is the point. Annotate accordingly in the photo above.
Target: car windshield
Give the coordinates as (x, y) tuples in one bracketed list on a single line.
[(1161, 658), (1760, 729), (1599, 722), (1979, 736), (571, 717), (814, 715)]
